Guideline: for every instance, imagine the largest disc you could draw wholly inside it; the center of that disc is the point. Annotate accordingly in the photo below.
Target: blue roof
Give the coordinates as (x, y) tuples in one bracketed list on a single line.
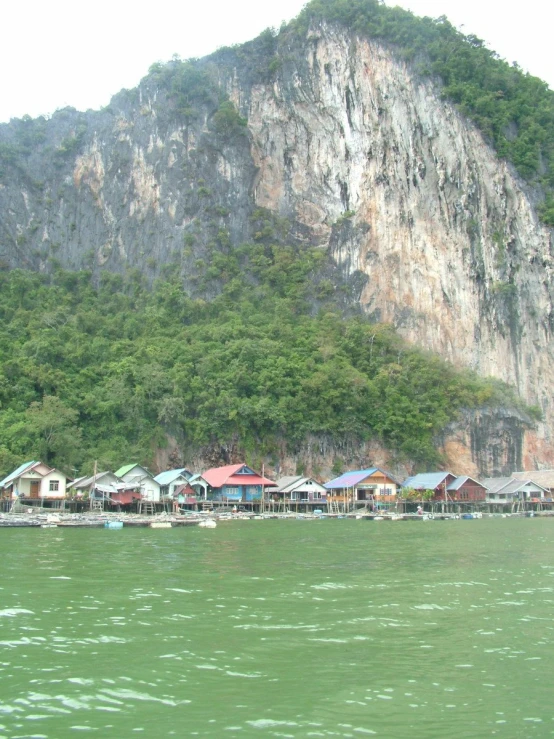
[(166, 478), (16, 473), (349, 479), (425, 480)]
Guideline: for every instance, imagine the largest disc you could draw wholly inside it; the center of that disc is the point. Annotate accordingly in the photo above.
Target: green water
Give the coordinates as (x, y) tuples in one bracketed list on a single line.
[(279, 629)]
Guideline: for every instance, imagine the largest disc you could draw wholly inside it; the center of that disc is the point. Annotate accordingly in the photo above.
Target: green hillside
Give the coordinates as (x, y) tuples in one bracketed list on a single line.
[(267, 351), (106, 372)]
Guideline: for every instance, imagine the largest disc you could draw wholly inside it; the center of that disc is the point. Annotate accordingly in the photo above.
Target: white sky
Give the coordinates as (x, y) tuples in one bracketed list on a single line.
[(60, 52)]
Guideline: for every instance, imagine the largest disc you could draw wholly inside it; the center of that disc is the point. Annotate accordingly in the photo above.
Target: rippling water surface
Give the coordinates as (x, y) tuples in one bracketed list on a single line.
[(279, 629)]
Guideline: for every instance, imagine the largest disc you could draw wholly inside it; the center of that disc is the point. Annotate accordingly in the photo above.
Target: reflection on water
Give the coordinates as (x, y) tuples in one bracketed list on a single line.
[(279, 628)]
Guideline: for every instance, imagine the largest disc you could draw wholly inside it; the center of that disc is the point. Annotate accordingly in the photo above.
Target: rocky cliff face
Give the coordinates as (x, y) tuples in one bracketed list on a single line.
[(447, 236), (362, 157)]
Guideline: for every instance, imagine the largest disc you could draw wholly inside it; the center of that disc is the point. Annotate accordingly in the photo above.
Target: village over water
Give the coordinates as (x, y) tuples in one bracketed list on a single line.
[(238, 490)]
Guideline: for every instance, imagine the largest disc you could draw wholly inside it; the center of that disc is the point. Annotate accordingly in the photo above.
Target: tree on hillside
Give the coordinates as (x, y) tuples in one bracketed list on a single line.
[(52, 425)]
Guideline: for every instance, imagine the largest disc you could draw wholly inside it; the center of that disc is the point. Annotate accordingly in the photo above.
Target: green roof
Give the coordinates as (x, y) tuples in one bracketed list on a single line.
[(123, 470)]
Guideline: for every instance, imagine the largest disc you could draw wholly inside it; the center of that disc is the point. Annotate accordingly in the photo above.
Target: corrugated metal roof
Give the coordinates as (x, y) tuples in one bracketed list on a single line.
[(508, 485), (169, 476), (514, 486), (128, 467), (425, 480), (123, 470), (287, 480), (217, 477), (290, 483), (545, 478), (461, 481), (16, 473), (76, 481), (496, 484), (84, 482), (349, 479)]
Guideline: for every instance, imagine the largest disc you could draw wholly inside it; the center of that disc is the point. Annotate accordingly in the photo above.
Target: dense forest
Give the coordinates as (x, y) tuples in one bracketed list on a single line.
[(105, 373), (264, 350)]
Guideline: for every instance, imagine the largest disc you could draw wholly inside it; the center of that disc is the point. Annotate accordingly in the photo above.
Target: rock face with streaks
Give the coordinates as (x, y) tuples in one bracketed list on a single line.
[(362, 157)]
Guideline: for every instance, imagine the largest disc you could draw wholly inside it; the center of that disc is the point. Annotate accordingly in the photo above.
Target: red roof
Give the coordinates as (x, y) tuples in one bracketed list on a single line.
[(217, 477)]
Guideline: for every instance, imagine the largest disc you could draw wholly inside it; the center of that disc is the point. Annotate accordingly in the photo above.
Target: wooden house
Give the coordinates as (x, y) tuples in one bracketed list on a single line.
[(435, 482), (184, 496), (465, 489), (106, 481), (235, 483), (35, 481), (200, 487), (170, 480), (447, 487), (508, 490), (138, 478), (107, 488), (543, 478), (372, 485), (298, 489)]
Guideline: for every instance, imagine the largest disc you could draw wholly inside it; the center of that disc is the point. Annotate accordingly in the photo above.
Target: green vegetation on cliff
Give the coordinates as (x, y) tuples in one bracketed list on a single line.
[(515, 111), (106, 372)]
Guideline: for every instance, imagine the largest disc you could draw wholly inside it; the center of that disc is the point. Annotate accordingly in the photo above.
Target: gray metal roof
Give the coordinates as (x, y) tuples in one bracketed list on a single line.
[(461, 481), (296, 482), (545, 478), (508, 485), (425, 480), (85, 482), (496, 484)]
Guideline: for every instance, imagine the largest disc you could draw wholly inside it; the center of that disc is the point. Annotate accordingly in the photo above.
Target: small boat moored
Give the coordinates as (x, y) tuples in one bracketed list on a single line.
[(208, 523)]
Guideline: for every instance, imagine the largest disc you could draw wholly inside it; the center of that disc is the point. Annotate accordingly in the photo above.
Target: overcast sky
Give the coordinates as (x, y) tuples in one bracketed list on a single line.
[(60, 52)]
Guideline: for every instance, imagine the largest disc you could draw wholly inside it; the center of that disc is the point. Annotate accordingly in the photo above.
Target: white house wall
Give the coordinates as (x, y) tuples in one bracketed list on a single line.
[(45, 491), (22, 485), (149, 488)]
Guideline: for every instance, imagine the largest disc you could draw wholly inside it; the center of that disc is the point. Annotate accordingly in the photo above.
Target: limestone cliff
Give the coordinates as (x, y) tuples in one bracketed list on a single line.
[(446, 234), (363, 158)]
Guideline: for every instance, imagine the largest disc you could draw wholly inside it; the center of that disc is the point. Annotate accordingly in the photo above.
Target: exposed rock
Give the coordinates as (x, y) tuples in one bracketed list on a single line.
[(436, 235)]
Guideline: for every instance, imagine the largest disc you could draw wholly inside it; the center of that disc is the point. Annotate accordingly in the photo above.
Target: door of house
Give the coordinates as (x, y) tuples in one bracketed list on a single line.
[(362, 495), (35, 486)]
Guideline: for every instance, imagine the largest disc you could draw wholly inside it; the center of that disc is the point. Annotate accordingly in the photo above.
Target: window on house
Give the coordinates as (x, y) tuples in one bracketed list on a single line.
[(244, 471), (54, 486)]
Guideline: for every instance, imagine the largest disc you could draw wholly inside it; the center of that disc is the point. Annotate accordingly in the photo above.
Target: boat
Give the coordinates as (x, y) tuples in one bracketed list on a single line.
[(209, 523)]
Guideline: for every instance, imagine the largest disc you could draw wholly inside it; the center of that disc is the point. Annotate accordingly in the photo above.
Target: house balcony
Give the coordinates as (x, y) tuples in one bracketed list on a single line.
[(305, 501)]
